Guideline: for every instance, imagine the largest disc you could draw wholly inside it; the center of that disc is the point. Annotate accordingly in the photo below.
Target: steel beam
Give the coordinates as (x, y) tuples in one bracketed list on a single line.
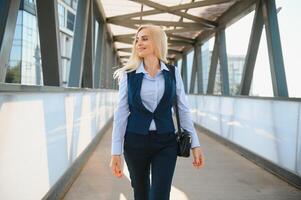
[(250, 59), (236, 12), (193, 70), (109, 67), (172, 8), (184, 72), (87, 78), (79, 41), (165, 23), (274, 48), (48, 24), (163, 8), (199, 66), (8, 20), (223, 62)]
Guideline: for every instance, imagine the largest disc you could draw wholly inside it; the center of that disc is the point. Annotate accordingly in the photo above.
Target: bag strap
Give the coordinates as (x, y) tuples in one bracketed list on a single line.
[(175, 105)]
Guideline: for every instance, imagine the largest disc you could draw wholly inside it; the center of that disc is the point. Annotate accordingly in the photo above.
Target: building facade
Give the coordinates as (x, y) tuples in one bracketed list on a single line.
[(25, 57)]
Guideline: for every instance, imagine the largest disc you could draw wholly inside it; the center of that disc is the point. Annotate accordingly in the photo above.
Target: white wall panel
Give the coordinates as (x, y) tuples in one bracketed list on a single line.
[(42, 134), (267, 127)]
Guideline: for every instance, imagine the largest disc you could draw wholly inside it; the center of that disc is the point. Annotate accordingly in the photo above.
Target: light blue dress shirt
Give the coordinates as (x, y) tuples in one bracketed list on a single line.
[(152, 90)]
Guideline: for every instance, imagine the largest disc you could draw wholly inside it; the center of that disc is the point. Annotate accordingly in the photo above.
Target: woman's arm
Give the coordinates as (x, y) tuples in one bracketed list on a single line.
[(187, 123), (184, 112), (120, 118)]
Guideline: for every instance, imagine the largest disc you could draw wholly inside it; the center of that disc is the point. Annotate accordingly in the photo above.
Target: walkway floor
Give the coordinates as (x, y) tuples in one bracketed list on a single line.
[(226, 176)]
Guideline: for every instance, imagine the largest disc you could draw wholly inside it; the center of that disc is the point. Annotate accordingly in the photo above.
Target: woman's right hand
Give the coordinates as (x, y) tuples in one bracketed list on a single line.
[(115, 165)]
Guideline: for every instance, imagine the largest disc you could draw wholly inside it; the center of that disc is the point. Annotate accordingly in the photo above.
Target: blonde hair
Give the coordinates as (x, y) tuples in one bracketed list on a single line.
[(160, 43)]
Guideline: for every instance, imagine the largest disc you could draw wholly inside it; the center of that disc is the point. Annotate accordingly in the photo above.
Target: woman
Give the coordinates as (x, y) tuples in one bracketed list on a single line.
[(143, 128)]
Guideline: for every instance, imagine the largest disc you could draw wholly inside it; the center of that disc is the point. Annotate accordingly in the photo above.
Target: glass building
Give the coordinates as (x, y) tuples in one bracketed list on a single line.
[(24, 65)]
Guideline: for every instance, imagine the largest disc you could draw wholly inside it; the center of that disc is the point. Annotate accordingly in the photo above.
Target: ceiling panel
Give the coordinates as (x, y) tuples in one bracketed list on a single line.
[(113, 8)]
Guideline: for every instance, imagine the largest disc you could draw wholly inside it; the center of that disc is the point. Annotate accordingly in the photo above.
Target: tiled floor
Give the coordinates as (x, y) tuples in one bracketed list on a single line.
[(226, 176)]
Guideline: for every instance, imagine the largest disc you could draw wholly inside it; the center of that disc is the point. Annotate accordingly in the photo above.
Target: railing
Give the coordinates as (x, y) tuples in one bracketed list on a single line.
[(268, 127), (43, 133)]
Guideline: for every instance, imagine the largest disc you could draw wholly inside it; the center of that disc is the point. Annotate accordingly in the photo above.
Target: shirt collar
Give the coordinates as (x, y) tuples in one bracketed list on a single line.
[(141, 68)]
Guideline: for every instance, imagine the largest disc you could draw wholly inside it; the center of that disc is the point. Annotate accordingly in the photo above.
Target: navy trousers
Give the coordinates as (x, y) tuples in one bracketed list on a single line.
[(155, 153)]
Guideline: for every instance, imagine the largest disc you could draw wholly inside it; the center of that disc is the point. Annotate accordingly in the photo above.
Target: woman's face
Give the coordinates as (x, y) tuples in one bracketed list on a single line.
[(144, 44)]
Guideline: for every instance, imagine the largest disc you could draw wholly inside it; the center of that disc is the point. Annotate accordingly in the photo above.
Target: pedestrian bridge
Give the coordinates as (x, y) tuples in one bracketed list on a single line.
[(56, 125)]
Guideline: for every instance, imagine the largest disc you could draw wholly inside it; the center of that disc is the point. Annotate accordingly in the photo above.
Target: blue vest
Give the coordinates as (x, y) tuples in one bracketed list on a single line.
[(140, 117)]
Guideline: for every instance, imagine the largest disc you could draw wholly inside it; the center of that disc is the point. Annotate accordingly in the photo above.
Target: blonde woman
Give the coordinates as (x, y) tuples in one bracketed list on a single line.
[(143, 129)]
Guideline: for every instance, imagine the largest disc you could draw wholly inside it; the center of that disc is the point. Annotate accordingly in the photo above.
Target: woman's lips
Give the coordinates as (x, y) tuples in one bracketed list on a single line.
[(141, 49)]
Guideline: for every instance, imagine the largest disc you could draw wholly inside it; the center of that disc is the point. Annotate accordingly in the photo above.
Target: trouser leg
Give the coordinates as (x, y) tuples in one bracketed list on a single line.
[(163, 165), (138, 162)]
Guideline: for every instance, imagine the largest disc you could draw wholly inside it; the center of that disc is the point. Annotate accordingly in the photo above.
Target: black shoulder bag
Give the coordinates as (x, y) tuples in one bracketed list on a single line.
[(183, 136)]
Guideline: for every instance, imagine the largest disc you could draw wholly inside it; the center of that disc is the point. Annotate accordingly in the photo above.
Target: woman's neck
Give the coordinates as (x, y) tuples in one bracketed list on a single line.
[(151, 63)]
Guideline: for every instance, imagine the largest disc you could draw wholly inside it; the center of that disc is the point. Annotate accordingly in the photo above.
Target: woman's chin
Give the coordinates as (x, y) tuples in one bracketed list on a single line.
[(141, 55)]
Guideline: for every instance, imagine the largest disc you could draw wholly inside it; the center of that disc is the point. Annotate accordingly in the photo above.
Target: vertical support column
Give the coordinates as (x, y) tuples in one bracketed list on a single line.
[(213, 66), (109, 66), (103, 71), (8, 20), (79, 41), (223, 62), (250, 60), (49, 41), (184, 72), (98, 55), (193, 70), (114, 65), (274, 48), (87, 78), (200, 81)]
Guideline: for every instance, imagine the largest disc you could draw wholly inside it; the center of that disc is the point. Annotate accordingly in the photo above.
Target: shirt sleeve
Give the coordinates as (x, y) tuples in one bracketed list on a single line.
[(184, 112), (120, 118)]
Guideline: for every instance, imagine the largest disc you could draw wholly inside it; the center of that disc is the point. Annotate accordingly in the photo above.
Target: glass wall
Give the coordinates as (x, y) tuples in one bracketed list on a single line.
[(25, 58), (207, 49), (180, 65), (189, 68), (31, 58), (13, 74), (262, 81), (206, 60), (237, 41), (290, 31)]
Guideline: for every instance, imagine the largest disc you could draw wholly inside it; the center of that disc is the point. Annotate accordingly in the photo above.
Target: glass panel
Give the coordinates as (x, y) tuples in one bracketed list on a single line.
[(68, 2), (189, 68), (74, 4), (180, 65), (31, 57), (237, 40), (95, 34), (13, 74), (207, 49), (272, 134), (217, 84), (70, 20), (61, 14), (262, 82), (290, 31)]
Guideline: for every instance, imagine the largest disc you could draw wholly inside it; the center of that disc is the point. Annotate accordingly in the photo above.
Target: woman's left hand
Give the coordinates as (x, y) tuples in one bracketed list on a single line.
[(198, 157)]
